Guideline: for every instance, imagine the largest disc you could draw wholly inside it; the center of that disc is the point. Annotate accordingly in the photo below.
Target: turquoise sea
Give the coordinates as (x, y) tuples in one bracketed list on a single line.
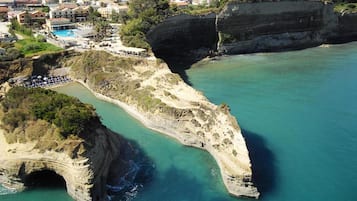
[(298, 112)]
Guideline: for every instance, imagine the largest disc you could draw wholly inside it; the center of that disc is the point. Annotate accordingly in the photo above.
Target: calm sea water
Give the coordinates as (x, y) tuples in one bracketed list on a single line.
[(298, 111)]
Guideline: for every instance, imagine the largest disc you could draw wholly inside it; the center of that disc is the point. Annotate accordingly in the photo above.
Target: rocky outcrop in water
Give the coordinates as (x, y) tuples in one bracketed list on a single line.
[(162, 101)]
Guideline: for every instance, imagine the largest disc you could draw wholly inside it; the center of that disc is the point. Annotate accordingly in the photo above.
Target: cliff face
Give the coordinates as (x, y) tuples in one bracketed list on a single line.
[(274, 26), (83, 162), (346, 30), (162, 101), (253, 27), (184, 38), (85, 177), (31, 66)]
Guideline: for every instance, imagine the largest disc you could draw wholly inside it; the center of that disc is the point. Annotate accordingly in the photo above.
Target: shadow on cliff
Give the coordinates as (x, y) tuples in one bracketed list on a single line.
[(182, 40), (44, 179), (263, 162), (180, 63)]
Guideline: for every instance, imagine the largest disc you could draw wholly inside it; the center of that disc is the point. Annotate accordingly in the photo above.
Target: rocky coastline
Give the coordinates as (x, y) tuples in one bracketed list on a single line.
[(84, 163), (149, 91), (162, 101), (240, 28)]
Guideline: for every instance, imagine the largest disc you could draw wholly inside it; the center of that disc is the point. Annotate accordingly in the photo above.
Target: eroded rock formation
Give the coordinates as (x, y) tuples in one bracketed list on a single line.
[(162, 101), (83, 162)]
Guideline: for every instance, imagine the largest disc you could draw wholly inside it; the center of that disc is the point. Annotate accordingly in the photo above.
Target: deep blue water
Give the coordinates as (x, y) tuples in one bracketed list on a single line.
[(299, 115)]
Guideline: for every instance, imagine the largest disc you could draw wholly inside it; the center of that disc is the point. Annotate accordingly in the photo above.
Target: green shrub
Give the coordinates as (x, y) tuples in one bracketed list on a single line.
[(142, 16), (32, 47), (67, 113), (13, 53)]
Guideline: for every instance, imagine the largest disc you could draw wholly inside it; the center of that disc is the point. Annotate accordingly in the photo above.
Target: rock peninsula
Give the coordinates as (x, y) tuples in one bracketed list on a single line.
[(162, 101), (32, 141)]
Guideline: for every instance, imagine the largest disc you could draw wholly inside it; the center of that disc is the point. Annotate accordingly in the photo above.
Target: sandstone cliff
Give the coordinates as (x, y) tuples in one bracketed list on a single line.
[(83, 162), (149, 91)]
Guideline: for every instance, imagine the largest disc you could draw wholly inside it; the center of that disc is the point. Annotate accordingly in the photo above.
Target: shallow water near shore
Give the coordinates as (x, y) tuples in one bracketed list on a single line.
[(297, 109)]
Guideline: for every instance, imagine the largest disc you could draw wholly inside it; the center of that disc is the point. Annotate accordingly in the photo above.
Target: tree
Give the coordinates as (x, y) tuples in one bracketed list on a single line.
[(93, 15), (101, 27), (143, 15)]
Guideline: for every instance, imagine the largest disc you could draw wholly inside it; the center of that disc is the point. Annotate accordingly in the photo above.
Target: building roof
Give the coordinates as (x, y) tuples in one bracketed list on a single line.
[(4, 9), (31, 12), (36, 11), (28, 1), (6, 1), (81, 8), (68, 5)]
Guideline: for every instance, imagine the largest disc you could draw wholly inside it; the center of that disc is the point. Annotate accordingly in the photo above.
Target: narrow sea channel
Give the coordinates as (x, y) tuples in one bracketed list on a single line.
[(298, 111)]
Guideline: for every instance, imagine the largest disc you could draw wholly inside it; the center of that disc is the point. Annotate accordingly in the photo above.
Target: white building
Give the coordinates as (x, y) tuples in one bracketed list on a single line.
[(70, 11), (110, 8)]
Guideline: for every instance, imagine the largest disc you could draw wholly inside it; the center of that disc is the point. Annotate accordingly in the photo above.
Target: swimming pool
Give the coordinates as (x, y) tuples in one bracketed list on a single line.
[(64, 33)]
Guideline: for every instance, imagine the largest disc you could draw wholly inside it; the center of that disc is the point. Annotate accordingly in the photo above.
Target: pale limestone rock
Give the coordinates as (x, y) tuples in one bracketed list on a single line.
[(177, 110), (85, 175)]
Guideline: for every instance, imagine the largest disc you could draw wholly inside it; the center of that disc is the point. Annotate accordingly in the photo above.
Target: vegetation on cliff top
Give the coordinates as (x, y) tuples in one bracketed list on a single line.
[(143, 15), (31, 45), (21, 106), (117, 77), (345, 6)]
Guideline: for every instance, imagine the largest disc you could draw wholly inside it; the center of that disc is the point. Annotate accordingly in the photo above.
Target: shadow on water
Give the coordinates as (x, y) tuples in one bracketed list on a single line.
[(181, 185), (130, 172), (263, 162)]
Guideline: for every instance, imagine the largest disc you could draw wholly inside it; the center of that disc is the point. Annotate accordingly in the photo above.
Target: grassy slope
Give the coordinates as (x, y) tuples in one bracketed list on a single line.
[(30, 46)]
